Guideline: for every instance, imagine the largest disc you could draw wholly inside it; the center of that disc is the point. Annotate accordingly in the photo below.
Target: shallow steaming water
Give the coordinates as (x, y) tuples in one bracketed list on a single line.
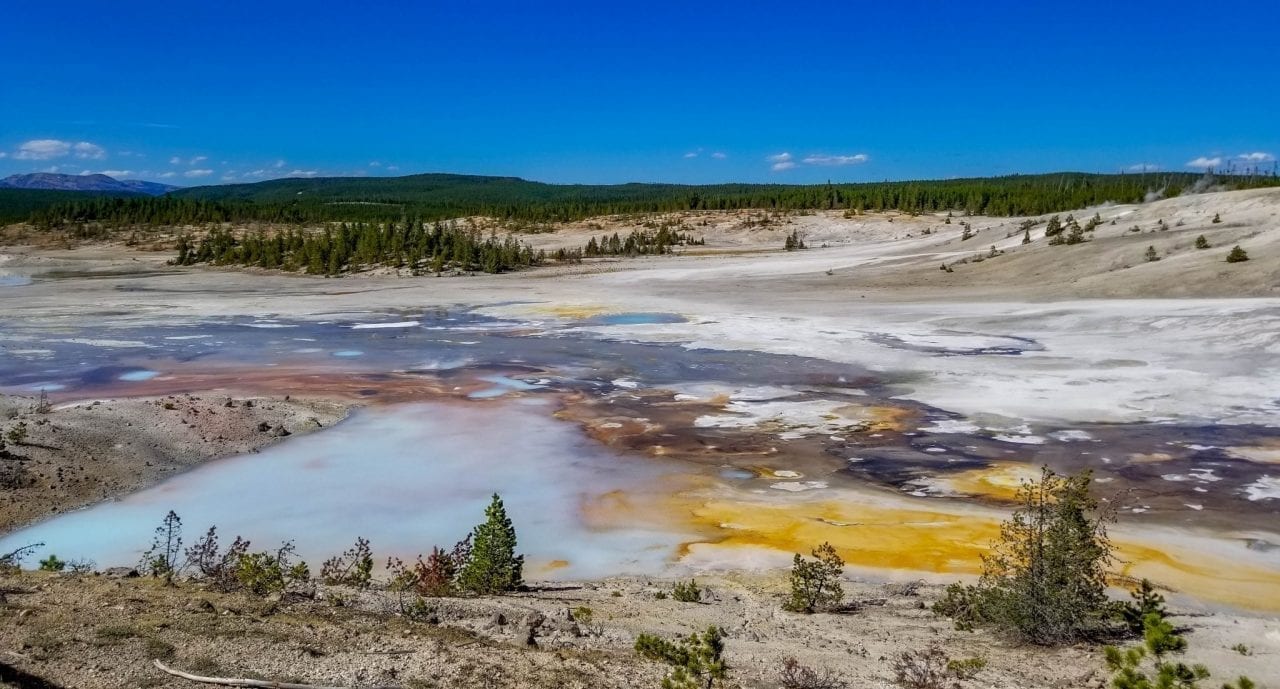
[(407, 477)]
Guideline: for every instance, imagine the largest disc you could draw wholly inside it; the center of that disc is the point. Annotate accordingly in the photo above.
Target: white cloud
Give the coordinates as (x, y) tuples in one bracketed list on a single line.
[(197, 160), (278, 164), (303, 173), (167, 175), (113, 173), (393, 168), (1203, 162), (197, 173), (89, 151), (374, 163), (1143, 167), (42, 149), (256, 173), (3, 154), (691, 154), (781, 161), (51, 168), (819, 159), (719, 156), (175, 161), (1257, 157)]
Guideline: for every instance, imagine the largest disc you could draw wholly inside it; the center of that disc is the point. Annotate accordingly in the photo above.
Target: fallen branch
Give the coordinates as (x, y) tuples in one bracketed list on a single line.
[(230, 682)]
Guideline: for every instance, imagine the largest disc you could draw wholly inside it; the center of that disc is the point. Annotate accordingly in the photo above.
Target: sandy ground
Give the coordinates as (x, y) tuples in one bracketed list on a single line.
[(584, 634), (81, 453)]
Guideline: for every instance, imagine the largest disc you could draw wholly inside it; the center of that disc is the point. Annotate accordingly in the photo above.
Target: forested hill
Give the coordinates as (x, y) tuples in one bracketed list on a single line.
[(439, 196)]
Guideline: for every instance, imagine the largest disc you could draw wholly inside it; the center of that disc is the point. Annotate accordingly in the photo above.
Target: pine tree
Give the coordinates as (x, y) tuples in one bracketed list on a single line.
[(493, 566), (161, 559), (815, 585), (1201, 242), (1237, 255), (1045, 577)]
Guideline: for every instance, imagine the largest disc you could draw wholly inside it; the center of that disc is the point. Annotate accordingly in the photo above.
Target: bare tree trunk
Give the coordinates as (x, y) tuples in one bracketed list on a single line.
[(230, 682)]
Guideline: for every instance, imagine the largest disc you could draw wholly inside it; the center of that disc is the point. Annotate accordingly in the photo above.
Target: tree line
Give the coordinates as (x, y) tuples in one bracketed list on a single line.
[(410, 244), (440, 197)]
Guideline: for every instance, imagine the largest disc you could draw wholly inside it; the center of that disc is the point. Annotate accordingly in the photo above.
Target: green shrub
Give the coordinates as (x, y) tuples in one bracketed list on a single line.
[(1216, 218), (582, 614), (264, 573), (52, 564), (687, 593), (493, 566), (352, 568), (1151, 256), (1242, 650), (1202, 242), (966, 668), (1044, 580), (696, 660), (1160, 639), (18, 434), (1145, 602), (815, 585), (1237, 255)]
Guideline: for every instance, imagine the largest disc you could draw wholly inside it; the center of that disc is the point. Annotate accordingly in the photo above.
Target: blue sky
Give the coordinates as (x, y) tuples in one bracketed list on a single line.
[(198, 93)]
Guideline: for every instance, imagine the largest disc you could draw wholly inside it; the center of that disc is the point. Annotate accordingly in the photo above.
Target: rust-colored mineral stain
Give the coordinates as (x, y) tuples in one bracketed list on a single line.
[(882, 419), (1000, 480), (553, 566), (574, 311), (865, 536), (874, 535)]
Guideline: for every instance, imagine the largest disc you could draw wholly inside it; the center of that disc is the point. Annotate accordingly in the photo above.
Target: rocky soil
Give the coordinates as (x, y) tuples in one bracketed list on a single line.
[(103, 631)]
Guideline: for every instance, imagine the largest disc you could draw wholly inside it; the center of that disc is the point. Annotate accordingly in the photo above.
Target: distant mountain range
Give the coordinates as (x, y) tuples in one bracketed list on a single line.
[(95, 183)]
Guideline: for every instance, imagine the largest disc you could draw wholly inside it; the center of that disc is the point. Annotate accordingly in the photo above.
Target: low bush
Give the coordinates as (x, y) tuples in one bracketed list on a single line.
[(352, 568), (1130, 669), (925, 669), (1145, 602), (216, 566), (687, 593), (264, 572), (797, 676), (696, 660)]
